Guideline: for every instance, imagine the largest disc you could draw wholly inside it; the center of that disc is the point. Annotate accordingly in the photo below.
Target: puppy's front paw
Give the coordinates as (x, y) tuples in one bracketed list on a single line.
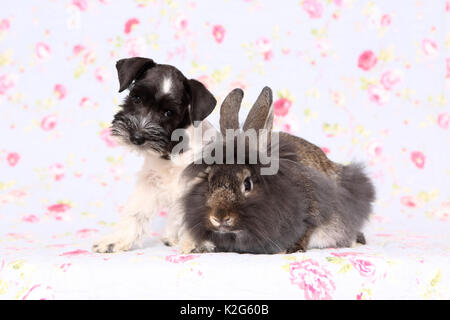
[(111, 244), (170, 242)]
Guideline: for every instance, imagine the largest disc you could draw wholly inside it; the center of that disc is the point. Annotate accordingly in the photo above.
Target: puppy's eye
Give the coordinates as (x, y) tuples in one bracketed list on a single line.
[(248, 184), (136, 99), (168, 113)]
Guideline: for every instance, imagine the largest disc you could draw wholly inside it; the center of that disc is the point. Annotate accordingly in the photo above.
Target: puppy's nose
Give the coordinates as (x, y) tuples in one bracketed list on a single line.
[(137, 139)]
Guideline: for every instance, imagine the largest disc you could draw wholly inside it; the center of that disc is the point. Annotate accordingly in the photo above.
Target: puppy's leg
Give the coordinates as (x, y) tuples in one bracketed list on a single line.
[(172, 229), (139, 210)]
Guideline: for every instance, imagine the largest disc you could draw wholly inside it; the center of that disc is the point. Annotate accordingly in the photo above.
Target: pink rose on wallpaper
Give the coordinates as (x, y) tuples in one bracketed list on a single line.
[(43, 50), (59, 211), (313, 7), (385, 20), (313, 279), (130, 24), (442, 213), (418, 158), (59, 207), (180, 22), (391, 78), (57, 171), (49, 122), (12, 158), (443, 120), (86, 102), (429, 47), (89, 57), (4, 25), (264, 46), (105, 135), (378, 94), (85, 233), (281, 107), (218, 33), (326, 150), (375, 149), (408, 201), (80, 4), (60, 91), (367, 60), (31, 218), (286, 127), (6, 82), (77, 49), (135, 46), (101, 74)]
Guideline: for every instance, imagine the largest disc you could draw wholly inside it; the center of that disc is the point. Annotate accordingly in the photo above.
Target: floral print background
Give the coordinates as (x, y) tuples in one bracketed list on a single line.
[(364, 80)]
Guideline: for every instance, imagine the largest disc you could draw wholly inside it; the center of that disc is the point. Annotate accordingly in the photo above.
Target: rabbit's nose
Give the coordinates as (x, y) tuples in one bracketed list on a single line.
[(217, 222), (228, 221)]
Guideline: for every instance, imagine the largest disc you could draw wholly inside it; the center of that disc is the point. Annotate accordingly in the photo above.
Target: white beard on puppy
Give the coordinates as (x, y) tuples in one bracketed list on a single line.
[(158, 186)]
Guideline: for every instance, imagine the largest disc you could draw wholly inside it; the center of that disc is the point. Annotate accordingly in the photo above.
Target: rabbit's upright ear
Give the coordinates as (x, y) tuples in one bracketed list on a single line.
[(229, 111), (261, 114)]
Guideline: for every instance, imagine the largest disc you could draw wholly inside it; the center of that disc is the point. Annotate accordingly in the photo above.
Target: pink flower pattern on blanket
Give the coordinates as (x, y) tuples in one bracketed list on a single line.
[(313, 279)]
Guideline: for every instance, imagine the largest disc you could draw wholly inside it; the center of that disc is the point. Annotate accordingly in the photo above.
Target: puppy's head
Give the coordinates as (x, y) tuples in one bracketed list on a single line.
[(160, 100)]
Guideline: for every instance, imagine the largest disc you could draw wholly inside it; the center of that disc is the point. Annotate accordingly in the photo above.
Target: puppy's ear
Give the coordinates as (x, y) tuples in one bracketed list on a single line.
[(202, 101), (131, 69), (261, 114)]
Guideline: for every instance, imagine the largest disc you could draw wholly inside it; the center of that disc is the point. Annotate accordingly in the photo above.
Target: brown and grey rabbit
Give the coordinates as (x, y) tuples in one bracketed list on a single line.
[(310, 202)]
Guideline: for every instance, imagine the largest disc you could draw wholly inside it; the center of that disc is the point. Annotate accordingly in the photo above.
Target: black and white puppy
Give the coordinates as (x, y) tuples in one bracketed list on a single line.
[(161, 99)]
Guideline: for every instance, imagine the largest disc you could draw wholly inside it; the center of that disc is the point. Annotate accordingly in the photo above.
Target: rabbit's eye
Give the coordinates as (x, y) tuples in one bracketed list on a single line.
[(136, 99), (248, 184), (168, 113)]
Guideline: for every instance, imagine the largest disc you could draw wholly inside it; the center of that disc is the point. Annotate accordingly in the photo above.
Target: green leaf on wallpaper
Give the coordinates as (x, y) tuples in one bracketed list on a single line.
[(365, 83), (79, 71), (6, 185), (6, 58), (220, 74), (118, 42)]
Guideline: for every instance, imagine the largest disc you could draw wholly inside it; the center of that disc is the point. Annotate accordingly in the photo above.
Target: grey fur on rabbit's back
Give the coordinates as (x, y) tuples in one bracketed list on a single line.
[(311, 202)]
